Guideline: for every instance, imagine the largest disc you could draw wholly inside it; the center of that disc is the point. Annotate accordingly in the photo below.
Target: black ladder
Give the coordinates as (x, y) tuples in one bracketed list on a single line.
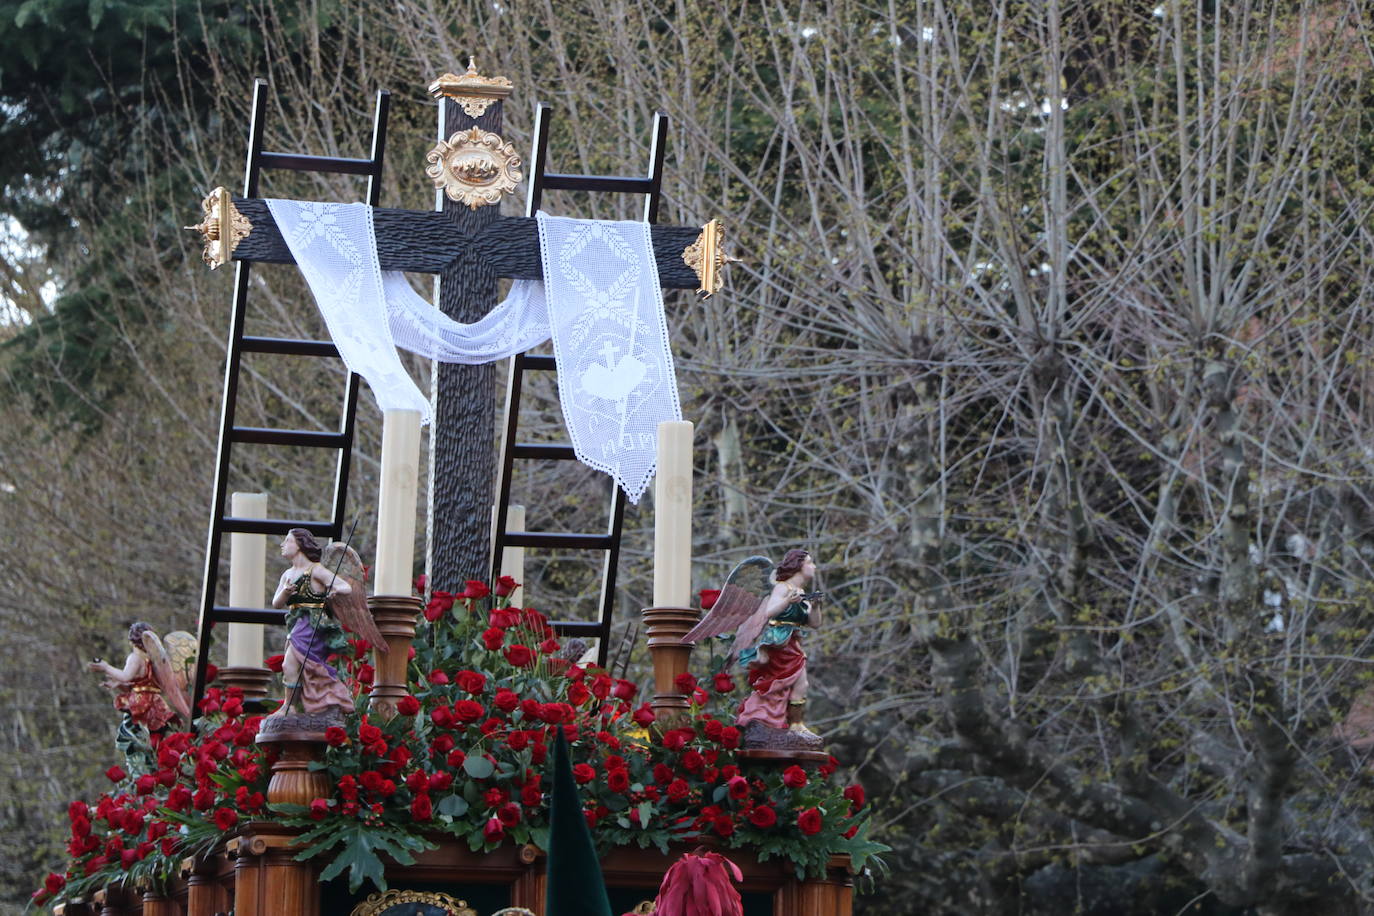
[(239, 344), (511, 447)]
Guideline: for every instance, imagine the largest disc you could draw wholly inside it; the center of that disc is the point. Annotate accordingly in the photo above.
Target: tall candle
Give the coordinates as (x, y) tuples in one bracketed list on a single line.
[(513, 558), (673, 516), (396, 501), (247, 580)]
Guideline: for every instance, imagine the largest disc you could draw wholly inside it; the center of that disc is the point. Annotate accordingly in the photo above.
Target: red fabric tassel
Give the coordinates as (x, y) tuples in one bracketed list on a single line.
[(700, 886)]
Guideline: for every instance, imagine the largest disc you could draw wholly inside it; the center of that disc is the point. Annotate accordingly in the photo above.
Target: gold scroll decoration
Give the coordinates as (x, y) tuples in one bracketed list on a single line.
[(706, 256), (222, 228), (474, 167), (378, 904), (472, 91)]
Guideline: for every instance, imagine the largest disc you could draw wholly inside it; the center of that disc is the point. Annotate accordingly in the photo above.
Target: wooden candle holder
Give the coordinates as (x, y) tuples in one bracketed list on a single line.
[(396, 616), (665, 627)]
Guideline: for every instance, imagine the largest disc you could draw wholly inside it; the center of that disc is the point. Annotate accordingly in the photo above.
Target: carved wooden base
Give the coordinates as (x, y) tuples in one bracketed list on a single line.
[(396, 616), (665, 627), (300, 738)]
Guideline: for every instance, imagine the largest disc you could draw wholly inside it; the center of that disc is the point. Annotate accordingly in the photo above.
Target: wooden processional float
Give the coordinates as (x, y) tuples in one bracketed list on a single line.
[(255, 871)]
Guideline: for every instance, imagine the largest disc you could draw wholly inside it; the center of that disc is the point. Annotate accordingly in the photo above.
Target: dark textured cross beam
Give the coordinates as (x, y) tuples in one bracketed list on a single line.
[(469, 249)]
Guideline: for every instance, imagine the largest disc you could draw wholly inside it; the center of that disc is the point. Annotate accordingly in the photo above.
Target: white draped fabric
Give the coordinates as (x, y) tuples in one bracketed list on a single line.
[(600, 301)]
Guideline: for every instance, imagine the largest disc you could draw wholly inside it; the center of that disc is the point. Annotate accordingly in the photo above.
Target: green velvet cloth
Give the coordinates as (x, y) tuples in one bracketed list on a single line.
[(575, 885)]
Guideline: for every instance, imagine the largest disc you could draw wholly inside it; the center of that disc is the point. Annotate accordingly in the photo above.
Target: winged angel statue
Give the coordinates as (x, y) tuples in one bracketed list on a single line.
[(150, 690), (324, 593), (768, 645)]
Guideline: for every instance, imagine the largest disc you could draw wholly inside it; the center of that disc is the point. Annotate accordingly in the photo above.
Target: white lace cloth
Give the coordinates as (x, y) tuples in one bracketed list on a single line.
[(601, 302)]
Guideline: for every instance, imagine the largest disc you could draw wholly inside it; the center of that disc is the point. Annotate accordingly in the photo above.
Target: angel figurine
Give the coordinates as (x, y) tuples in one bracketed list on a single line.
[(768, 645), (322, 588), (150, 690)]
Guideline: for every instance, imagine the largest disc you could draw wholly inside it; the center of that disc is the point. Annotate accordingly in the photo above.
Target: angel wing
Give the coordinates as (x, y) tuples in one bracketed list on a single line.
[(165, 675), (351, 609), (735, 606), (182, 649)]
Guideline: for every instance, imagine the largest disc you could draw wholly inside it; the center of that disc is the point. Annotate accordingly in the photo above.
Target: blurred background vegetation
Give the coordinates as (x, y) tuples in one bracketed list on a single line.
[(1051, 343)]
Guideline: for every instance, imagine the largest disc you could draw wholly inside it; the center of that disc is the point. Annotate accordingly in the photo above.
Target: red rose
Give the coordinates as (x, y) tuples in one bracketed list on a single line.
[(226, 818), (468, 711), (708, 597), (554, 713), (583, 773), (723, 683), (549, 646), (518, 740), (442, 744), (519, 656), (407, 706), (492, 638), (495, 797), (678, 790), (366, 674), (693, 762), (203, 800), (809, 822), (723, 825), (442, 716), (729, 737), (54, 882), (369, 734), (529, 708), (116, 773), (421, 809), (437, 678), (509, 814), (274, 662), (211, 674), (145, 784), (794, 777), (503, 618), (739, 787), (643, 716), (712, 729), (855, 794), (319, 809), (624, 690), (438, 782), (830, 766), (440, 603), (618, 781), (474, 590), (470, 681), (493, 832), (530, 795), (685, 682), (455, 758), (676, 739), (763, 817), (506, 700), (505, 585)]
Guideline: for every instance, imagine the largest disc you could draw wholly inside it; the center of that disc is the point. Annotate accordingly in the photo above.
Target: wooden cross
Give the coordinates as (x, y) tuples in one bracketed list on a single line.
[(469, 245)]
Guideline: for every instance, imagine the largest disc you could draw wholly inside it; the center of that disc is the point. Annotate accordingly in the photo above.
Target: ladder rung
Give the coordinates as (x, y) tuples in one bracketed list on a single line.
[(538, 362), (289, 346), (300, 163), (261, 436), (222, 614), (597, 183), (576, 627), (540, 450), (234, 525), (552, 539)]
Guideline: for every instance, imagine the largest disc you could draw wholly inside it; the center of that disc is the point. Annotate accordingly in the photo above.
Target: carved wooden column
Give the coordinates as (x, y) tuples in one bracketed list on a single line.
[(206, 893), (268, 881), (115, 901), (252, 681), (396, 617), (666, 626), (531, 888), (156, 904)]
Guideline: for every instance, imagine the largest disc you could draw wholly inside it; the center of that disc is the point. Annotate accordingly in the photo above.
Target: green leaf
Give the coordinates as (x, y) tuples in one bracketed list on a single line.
[(478, 767), (646, 811), (453, 805), (539, 836)]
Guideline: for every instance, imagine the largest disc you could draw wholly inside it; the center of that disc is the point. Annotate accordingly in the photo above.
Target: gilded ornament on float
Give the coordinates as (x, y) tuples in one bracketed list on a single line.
[(706, 256), (381, 904), (472, 91), (474, 167), (220, 211)]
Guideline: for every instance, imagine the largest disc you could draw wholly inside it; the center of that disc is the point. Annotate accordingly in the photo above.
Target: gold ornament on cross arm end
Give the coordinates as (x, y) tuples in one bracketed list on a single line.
[(706, 256), (220, 212)]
